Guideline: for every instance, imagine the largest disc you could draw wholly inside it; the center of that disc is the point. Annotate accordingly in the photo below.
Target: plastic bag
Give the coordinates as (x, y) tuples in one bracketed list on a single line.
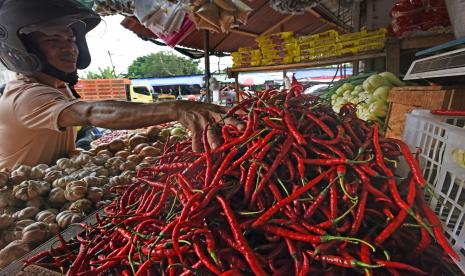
[(174, 39), (160, 16)]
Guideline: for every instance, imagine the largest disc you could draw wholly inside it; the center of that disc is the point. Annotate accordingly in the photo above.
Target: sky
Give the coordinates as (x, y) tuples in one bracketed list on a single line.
[(124, 47)]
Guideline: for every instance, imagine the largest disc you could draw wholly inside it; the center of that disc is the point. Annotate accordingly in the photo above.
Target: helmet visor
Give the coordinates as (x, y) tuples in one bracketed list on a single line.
[(54, 27)]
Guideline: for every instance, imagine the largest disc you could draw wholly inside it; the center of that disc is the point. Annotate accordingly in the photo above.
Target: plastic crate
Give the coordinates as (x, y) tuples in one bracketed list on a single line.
[(438, 136)]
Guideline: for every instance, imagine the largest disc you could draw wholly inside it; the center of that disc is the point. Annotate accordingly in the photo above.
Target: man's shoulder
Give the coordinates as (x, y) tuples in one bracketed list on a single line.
[(25, 84)]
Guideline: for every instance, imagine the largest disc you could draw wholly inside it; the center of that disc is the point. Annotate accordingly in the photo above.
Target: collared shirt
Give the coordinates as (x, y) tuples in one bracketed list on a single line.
[(29, 130)]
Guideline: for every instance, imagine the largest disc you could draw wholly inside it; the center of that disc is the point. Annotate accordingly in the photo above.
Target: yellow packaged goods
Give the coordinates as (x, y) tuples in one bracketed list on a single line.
[(370, 47), (279, 54), (306, 58), (347, 51), (246, 60), (351, 36), (247, 64), (379, 32), (277, 41), (373, 39), (253, 53), (246, 49), (276, 61), (279, 47), (276, 36), (317, 50), (348, 44), (316, 43), (331, 34)]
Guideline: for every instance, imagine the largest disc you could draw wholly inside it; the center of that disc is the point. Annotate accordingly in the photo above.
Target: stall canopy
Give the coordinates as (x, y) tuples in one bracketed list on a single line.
[(327, 14)]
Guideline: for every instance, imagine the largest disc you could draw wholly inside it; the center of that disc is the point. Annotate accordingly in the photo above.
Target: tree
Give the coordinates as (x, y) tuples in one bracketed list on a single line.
[(162, 64), (105, 73)]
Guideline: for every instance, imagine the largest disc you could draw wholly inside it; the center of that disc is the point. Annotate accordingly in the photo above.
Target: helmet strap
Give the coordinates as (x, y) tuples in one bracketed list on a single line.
[(70, 78)]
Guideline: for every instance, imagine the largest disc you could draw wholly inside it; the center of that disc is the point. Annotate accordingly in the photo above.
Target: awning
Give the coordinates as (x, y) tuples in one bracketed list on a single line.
[(328, 14)]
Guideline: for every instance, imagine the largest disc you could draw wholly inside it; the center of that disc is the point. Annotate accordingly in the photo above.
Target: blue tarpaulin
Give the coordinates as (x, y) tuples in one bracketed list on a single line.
[(169, 81), (269, 76)]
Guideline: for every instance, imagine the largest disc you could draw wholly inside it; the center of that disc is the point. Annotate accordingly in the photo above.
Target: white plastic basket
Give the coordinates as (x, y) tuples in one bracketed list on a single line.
[(438, 136)]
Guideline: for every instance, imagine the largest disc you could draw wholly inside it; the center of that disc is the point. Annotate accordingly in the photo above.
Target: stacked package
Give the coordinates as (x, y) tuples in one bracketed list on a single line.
[(318, 46), (364, 41), (278, 48), (247, 57)]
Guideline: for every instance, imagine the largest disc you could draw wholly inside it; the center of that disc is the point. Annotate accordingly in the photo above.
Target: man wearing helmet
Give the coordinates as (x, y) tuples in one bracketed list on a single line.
[(44, 41)]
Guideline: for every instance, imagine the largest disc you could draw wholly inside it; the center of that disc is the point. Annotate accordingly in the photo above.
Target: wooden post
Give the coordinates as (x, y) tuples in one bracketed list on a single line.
[(356, 28), (237, 87), (207, 65), (393, 55)]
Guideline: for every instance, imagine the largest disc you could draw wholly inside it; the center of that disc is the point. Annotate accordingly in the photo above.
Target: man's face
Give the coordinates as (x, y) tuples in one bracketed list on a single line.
[(59, 48)]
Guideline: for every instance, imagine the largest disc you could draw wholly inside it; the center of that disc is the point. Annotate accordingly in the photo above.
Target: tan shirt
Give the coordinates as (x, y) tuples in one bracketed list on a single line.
[(29, 131)]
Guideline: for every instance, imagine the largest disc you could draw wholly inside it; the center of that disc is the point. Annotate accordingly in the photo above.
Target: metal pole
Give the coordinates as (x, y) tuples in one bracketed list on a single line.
[(207, 64)]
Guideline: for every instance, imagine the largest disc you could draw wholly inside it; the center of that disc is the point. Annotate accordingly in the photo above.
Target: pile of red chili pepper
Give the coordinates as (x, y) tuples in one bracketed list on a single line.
[(300, 190)]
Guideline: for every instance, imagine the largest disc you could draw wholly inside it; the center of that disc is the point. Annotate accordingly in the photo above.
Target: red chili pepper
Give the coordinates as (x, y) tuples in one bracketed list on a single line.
[(305, 266), (246, 155), (242, 243), (289, 121), (413, 164), (401, 266), (320, 123), (393, 225), (448, 112), (337, 140), (436, 226), (251, 174), (270, 212), (279, 158), (425, 241), (232, 272), (336, 260), (205, 260)]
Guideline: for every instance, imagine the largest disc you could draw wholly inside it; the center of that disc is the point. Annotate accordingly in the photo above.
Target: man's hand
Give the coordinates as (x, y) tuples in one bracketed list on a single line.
[(196, 116)]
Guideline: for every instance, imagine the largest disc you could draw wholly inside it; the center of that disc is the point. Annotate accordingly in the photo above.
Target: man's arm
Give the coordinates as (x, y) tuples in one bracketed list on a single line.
[(126, 115), (117, 114)]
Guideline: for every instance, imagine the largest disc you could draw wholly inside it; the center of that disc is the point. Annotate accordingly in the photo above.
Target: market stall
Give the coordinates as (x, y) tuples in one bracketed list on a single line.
[(309, 186)]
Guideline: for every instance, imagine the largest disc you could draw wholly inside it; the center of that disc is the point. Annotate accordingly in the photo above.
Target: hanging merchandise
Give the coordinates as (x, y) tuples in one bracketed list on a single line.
[(111, 7), (218, 15), (292, 6), (419, 17), (175, 38), (160, 16)]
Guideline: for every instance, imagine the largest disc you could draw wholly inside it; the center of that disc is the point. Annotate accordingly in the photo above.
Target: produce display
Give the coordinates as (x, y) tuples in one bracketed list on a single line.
[(369, 92), (285, 47), (38, 202), (299, 190)]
